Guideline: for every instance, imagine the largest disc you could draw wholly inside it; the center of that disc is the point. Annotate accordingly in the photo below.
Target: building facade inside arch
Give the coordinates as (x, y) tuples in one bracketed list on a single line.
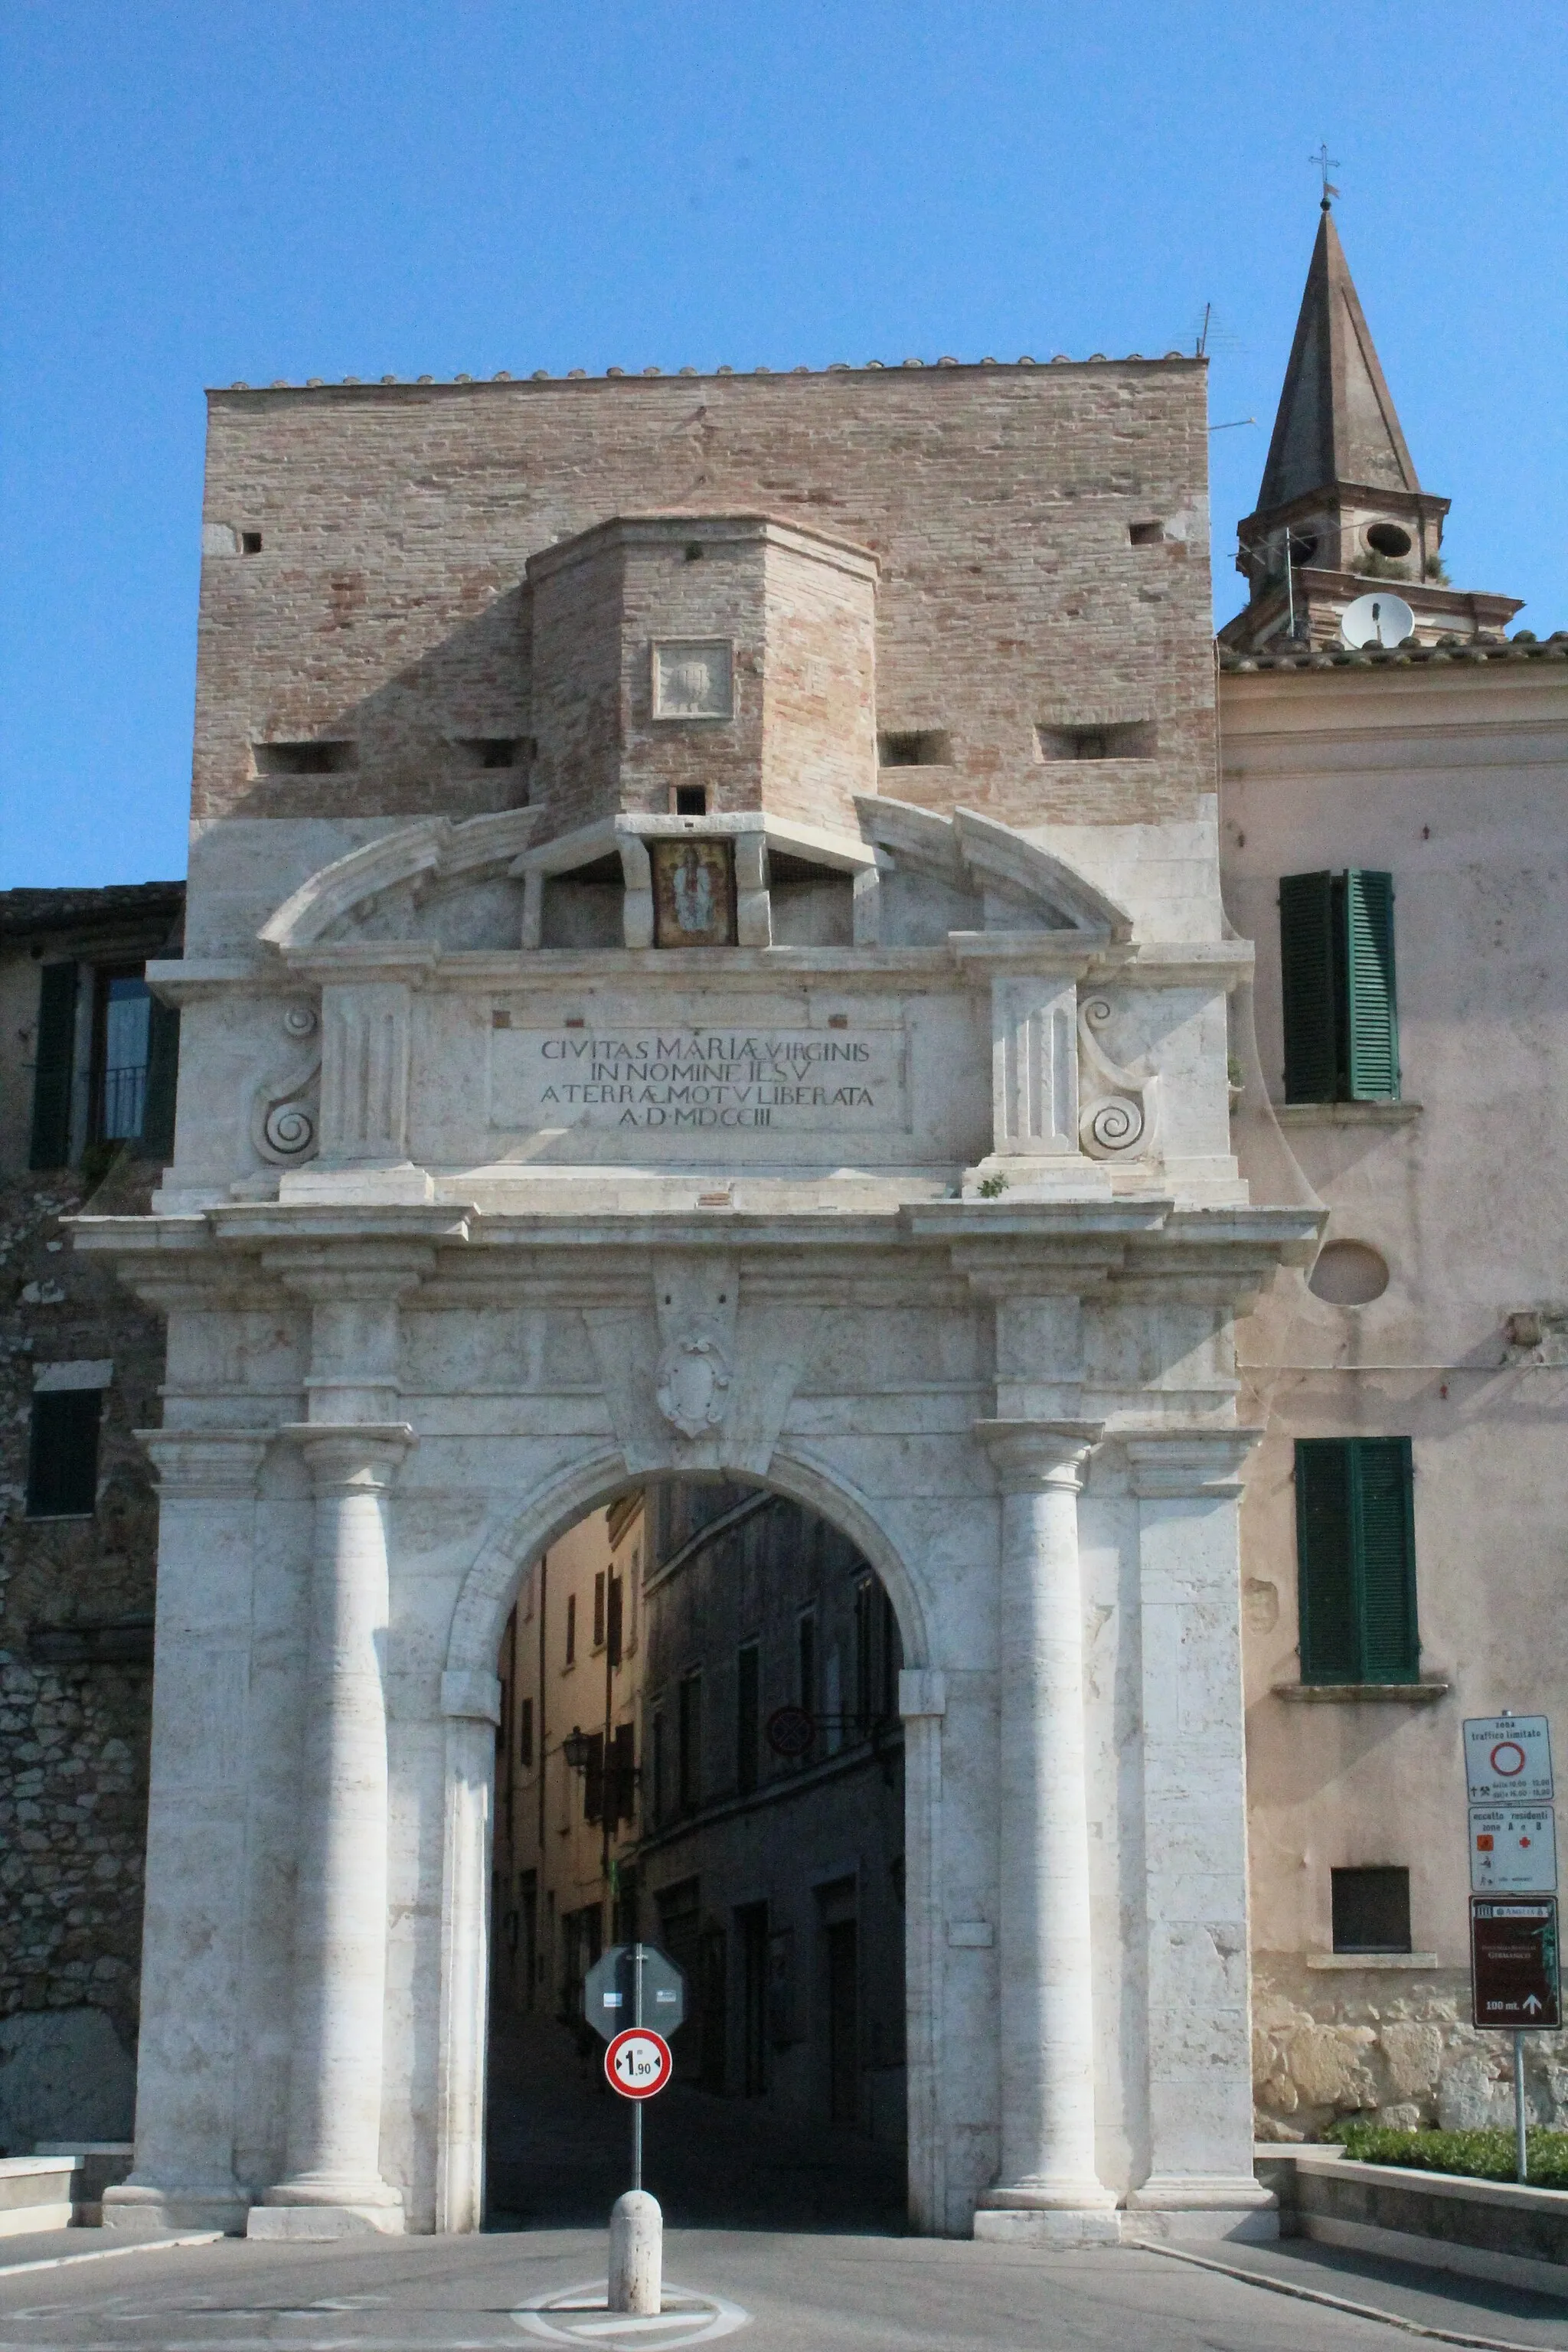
[(704, 962)]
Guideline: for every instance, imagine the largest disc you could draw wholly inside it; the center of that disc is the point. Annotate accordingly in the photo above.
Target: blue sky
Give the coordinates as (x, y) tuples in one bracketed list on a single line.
[(191, 194)]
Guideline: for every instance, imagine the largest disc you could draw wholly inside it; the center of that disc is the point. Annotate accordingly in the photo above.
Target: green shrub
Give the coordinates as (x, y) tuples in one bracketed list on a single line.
[(1478, 2155)]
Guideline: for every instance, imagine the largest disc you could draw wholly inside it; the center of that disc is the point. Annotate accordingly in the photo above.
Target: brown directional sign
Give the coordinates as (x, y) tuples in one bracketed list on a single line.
[(1513, 1962)]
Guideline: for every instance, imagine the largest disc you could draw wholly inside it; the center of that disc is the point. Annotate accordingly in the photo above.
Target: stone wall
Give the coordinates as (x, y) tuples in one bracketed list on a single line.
[(1394, 2046), (75, 1682)]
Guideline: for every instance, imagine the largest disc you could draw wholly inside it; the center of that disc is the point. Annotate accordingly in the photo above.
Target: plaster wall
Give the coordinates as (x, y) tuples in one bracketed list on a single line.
[(1451, 780)]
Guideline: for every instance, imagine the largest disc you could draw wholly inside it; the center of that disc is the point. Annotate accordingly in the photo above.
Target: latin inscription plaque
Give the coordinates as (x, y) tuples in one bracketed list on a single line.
[(673, 1080)]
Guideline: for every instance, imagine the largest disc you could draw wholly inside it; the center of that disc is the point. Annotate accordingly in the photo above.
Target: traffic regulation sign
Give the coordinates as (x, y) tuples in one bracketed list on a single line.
[(1508, 1760), (638, 2062), (610, 1990), (1513, 1962), (1513, 1850), (790, 1732)]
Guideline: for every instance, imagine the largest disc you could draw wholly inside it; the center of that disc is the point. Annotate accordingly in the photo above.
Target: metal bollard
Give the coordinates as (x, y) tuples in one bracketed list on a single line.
[(637, 2253)]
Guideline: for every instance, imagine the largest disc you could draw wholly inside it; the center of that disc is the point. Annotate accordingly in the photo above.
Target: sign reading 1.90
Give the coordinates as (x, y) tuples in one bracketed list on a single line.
[(638, 2062)]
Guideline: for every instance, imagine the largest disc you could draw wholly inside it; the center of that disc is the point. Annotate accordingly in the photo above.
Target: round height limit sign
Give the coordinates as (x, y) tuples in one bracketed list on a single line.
[(638, 2062)]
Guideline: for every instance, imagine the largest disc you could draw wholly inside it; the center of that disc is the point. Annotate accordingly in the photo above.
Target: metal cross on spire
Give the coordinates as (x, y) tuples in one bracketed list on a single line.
[(1326, 164)]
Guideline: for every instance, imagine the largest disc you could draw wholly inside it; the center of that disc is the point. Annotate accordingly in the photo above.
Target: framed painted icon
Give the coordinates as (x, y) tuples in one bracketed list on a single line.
[(693, 893)]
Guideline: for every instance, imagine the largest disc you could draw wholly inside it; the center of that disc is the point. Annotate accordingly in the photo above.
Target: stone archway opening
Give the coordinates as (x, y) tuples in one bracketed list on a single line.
[(701, 1747)]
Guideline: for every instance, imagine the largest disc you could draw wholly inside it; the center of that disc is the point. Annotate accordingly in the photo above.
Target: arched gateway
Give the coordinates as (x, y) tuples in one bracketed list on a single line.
[(714, 1113)]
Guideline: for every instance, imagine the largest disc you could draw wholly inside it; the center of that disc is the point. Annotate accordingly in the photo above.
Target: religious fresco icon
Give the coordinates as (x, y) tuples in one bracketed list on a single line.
[(693, 893)]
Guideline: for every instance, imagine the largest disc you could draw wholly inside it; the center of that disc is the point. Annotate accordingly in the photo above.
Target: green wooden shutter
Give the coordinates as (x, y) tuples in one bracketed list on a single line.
[(62, 1454), (1325, 1560), (1385, 1545), (162, 1076), (1306, 986), (1372, 1028), (52, 1069)]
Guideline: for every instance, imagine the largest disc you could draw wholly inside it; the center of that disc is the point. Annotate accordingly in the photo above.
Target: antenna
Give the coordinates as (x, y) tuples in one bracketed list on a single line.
[(1202, 345), (1326, 164), (1378, 620)]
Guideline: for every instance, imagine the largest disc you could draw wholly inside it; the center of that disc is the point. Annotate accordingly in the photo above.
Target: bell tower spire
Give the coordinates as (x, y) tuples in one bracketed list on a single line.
[(1340, 506)]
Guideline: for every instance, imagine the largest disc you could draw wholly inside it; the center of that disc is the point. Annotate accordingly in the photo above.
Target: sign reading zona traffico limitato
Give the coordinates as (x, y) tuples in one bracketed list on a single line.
[(1508, 1760), (1513, 1962)]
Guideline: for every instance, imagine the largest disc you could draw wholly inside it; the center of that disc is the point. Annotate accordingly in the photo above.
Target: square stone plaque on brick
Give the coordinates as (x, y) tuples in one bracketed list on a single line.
[(692, 678)]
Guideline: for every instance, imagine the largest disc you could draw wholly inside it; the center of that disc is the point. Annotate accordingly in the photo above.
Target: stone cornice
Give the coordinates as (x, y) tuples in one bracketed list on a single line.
[(206, 1465), (966, 958), (1192, 1463)]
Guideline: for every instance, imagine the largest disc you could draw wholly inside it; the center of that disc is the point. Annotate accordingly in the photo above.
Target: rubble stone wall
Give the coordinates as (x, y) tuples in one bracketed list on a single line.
[(1394, 2046), (74, 1728)]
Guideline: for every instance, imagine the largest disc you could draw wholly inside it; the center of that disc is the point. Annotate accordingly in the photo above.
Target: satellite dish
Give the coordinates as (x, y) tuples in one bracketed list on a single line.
[(1378, 620)]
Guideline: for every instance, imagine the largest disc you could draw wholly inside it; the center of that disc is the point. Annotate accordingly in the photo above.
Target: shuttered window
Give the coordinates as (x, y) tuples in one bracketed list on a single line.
[(1355, 1556), (62, 1454), (53, 1067), (163, 1075), (1337, 987)]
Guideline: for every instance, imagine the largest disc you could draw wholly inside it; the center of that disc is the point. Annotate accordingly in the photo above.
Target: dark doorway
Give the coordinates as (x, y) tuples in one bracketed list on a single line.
[(842, 1945), (751, 1927)]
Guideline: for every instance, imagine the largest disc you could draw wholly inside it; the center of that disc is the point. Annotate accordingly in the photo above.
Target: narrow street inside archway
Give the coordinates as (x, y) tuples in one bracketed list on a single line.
[(700, 1747)]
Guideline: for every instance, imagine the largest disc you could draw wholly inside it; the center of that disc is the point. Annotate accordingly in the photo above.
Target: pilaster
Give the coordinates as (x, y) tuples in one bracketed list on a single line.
[(1200, 2181), (184, 2175)]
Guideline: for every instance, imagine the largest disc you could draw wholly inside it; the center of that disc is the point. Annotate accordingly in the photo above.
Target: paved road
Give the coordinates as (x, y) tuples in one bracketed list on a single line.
[(802, 2293)]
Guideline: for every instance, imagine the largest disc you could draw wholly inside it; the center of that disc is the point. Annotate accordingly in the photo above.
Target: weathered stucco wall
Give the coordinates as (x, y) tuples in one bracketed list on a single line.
[(1451, 777)]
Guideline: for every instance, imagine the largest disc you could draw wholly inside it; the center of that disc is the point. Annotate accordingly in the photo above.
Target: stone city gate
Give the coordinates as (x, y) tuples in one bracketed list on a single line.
[(670, 989), (1017, 1400)]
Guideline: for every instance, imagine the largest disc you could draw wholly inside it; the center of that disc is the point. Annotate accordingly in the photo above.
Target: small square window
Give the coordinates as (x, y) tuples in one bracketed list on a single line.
[(250, 542), (1111, 739), (691, 800), (923, 747), (1146, 534), (1371, 1909), (318, 757)]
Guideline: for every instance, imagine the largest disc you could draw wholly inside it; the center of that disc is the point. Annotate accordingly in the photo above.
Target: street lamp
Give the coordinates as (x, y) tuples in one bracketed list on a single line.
[(576, 1748)]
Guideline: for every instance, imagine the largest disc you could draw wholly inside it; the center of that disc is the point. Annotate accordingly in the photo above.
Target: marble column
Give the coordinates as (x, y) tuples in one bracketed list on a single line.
[(333, 2185), (193, 1929), (1049, 2190), (1200, 2178)]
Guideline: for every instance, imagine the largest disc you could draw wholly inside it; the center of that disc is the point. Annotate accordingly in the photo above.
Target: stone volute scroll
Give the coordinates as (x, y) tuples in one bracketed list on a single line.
[(286, 1112), (1117, 1107)]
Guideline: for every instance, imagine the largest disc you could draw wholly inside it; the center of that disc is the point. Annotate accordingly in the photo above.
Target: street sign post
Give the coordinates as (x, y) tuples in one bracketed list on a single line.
[(789, 1731), (1513, 1962), (635, 1995), (1513, 1850), (611, 1988), (637, 2064), (1515, 1983), (1508, 1760)]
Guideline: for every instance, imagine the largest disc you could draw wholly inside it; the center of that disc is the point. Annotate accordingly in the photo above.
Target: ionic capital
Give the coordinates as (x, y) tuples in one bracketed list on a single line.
[(1191, 1464), (206, 1465), (1030, 1457)]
